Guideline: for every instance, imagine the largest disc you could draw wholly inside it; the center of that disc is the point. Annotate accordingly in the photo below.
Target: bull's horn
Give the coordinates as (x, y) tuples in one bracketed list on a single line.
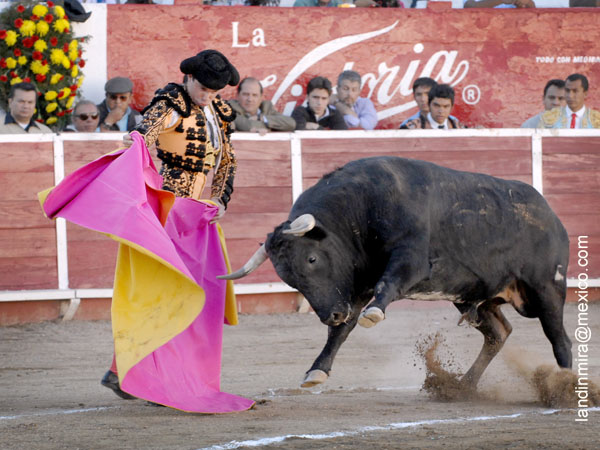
[(256, 260), (301, 225)]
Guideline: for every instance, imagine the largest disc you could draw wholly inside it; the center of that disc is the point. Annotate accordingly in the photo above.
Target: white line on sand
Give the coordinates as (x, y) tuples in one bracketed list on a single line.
[(57, 412), (292, 392), (392, 426)]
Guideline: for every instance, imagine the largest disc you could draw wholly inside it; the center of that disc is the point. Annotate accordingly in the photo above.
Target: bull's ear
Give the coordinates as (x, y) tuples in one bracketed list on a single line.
[(317, 233)]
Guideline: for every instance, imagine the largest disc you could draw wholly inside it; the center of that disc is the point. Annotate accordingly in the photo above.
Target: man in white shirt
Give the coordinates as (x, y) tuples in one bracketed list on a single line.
[(575, 114), (21, 108)]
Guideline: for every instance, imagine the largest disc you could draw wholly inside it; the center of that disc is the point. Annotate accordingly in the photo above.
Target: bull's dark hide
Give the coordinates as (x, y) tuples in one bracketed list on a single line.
[(389, 228)]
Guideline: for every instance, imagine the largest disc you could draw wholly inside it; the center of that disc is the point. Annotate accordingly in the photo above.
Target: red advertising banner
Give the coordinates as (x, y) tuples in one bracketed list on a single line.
[(498, 61)]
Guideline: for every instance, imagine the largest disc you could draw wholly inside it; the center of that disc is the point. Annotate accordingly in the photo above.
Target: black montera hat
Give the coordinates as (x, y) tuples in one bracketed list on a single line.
[(75, 11), (212, 69)]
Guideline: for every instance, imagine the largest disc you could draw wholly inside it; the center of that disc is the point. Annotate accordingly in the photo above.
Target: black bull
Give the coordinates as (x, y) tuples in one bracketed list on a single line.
[(393, 228)]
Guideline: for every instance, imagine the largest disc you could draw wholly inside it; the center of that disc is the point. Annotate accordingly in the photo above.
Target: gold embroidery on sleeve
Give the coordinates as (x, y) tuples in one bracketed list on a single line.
[(153, 122)]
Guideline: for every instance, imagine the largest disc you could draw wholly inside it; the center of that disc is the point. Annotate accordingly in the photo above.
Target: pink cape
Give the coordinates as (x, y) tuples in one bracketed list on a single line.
[(168, 307)]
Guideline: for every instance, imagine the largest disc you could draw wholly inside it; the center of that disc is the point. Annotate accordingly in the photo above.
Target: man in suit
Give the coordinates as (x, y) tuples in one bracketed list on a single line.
[(254, 113)]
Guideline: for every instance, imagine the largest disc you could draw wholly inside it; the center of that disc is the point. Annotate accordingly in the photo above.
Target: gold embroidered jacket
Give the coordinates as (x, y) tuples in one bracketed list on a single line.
[(184, 143), (557, 118)]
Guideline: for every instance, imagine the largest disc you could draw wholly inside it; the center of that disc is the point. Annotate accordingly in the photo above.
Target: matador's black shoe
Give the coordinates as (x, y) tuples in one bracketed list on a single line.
[(111, 381)]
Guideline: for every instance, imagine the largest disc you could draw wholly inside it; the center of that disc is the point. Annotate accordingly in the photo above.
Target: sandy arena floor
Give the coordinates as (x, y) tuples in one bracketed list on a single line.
[(51, 398)]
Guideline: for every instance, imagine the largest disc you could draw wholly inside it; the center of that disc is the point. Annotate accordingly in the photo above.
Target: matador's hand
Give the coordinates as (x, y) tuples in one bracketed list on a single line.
[(127, 140), (221, 211)]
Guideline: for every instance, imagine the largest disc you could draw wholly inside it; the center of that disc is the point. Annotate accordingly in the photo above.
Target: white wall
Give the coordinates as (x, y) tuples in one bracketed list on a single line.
[(94, 52)]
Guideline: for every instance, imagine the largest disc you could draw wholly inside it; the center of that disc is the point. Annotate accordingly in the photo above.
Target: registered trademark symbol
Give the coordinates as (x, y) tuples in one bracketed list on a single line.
[(296, 90), (471, 94)]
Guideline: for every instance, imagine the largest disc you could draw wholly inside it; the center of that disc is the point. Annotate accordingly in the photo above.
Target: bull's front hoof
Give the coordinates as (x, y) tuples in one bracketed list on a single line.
[(314, 377), (370, 317)]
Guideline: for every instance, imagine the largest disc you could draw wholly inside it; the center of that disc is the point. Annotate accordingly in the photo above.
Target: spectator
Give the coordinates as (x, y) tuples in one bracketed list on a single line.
[(21, 108), (337, 3), (575, 114), (331, 3), (441, 102), (499, 4), (584, 3), (318, 115), (389, 4), (85, 118), (226, 3), (261, 2), (358, 112), (554, 97), (421, 88), (115, 112), (255, 114)]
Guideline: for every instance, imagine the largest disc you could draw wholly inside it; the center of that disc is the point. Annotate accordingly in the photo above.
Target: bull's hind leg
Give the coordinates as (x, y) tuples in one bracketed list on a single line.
[(490, 321)]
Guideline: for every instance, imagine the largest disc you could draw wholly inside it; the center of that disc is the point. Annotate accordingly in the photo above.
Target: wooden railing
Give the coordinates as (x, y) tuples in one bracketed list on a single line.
[(42, 259)]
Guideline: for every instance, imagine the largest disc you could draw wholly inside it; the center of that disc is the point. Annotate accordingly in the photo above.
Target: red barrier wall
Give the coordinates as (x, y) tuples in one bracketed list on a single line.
[(263, 198), (498, 60), (572, 186), (506, 158), (27, 238)]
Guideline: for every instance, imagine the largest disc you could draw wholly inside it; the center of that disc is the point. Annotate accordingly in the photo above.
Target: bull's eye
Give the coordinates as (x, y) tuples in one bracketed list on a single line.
[(312, 259)]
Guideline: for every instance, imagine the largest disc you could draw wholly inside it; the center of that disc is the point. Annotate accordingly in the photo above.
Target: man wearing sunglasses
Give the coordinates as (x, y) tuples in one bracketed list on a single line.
[(85, 118), (116, 113)]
